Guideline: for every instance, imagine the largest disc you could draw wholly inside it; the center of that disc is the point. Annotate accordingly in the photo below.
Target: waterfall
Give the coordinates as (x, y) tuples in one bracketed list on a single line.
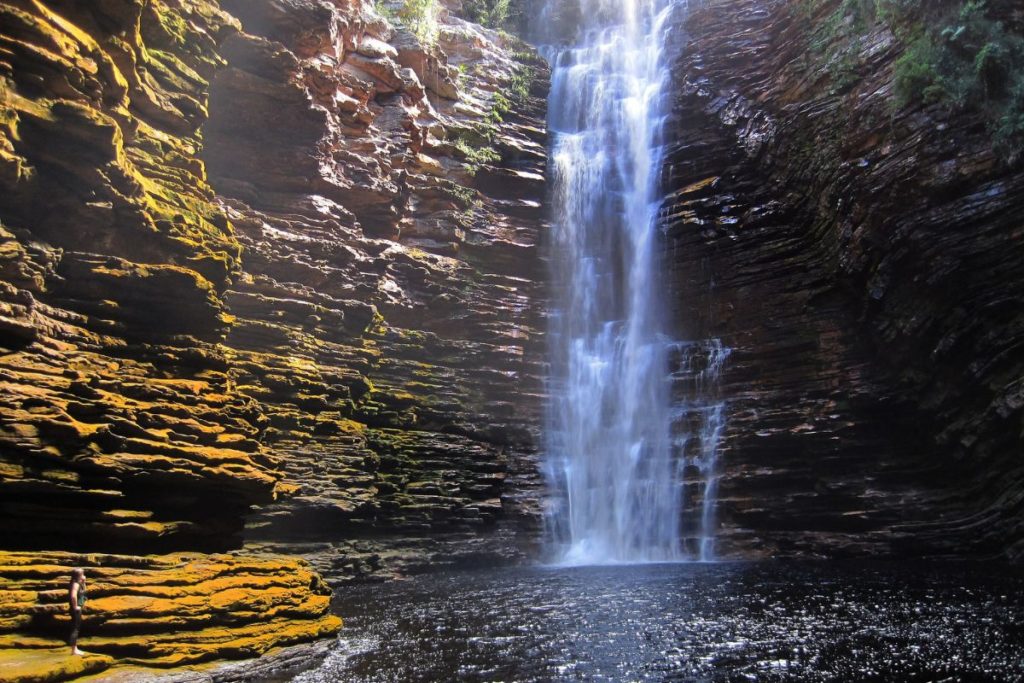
[(698, 423), (615, 477)]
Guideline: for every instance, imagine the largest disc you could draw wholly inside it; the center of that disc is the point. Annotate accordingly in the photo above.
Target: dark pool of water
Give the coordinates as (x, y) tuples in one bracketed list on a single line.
[(766, 621)]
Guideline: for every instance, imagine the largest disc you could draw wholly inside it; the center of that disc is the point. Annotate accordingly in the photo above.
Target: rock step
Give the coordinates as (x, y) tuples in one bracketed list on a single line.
[(162, 610), (46, 665)]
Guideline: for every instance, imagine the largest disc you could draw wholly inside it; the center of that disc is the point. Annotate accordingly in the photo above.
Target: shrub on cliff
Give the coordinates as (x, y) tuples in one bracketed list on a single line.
[(967, 59), (518, 17), (497, 14), (958, 53), (418, 16)]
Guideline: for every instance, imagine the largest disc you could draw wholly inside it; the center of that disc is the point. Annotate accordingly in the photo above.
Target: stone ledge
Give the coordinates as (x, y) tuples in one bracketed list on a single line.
[(158, 611), (50, 664)]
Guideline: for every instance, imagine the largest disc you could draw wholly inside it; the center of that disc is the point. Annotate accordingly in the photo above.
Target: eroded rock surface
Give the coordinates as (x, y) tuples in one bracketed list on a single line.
[(389, 311), (342, 317), (157, 611), (863, 261), (275, 254)]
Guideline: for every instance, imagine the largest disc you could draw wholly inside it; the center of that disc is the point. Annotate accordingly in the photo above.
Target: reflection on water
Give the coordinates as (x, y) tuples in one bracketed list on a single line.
[(706, 622)]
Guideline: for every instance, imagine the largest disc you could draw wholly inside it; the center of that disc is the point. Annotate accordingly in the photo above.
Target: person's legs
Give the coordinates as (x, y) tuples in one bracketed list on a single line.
[(76, 625)]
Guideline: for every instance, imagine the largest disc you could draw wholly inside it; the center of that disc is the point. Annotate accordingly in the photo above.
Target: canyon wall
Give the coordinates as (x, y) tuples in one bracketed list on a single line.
[(268, 275), (271, 284), (862, 259)]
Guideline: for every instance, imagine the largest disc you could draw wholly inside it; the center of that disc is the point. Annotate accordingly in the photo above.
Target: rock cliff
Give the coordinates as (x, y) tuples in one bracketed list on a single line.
[(862, 257), (271, 281), (279, 254)]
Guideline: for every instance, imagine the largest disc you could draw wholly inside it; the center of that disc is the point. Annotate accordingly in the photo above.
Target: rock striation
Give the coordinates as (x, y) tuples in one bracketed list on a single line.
[(272, 282), (398, 287), (269, 271), (159, 611), (343, 309), (862, 259)]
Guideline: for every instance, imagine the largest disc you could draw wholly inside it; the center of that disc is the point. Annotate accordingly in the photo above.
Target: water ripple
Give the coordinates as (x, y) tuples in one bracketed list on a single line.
[(703, 622)]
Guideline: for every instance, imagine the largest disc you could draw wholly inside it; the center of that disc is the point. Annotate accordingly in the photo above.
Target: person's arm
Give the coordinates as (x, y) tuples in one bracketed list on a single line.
[(73, 597)]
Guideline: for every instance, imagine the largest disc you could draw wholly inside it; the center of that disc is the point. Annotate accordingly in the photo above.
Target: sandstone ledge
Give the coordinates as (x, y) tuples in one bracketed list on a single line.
[(48, 664), (157, 611)]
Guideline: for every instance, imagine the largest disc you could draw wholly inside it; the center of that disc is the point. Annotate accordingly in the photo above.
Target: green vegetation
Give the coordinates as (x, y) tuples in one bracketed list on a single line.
[(466, 196), (522, 79), (382, 8), (461, 76), (838, 39), (496, 14), (970, 62), (419, 16), (956, 54), (476, 154), (476, 144)]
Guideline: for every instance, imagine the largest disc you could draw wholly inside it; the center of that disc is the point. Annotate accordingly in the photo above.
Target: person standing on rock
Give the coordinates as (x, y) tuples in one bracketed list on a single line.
[(76, 602)]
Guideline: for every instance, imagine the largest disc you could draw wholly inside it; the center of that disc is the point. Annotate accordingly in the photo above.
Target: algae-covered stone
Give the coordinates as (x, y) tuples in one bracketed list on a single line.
[(48, 665), (162, 610), (198, 312)]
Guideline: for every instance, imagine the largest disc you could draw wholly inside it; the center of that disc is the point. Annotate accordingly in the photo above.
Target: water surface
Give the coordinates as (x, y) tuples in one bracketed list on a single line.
[(768, 621)]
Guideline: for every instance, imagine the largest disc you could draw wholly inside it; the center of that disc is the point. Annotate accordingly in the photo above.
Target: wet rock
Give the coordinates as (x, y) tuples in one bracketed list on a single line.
[(860, 259), (42, 665)]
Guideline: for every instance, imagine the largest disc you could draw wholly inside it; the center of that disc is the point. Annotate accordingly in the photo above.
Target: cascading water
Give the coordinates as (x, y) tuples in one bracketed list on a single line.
[(616, 481), (698, 423)]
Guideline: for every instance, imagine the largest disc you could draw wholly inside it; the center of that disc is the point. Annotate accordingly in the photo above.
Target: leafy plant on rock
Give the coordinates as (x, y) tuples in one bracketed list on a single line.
[(968, 61), (475, 153), (476, 144), (419, 16), (957, 54), (496, 14)]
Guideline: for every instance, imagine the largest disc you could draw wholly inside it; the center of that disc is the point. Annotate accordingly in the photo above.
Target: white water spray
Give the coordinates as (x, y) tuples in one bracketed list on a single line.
[(615, 479), (698, 424)]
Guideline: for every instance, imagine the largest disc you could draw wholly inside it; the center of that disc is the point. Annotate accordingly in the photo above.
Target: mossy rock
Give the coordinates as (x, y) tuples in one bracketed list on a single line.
[(160, 610), (43, 666)]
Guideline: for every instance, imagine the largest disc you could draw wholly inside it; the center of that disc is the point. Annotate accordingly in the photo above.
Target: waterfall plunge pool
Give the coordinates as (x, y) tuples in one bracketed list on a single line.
[(759, 621)]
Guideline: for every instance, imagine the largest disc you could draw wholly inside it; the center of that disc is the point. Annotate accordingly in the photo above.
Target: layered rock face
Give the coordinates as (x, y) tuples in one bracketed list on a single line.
[(278, 254), (389, 311), (342, 317), (863, 262), (163, 611), (119, 421)]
